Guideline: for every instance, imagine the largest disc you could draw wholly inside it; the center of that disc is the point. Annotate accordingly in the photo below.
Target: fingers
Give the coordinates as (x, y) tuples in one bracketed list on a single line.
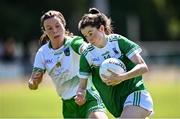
[(80, 101), (104, 76), (111, 71), (80, 98), (110, 82), (32, 85), (109, 77)]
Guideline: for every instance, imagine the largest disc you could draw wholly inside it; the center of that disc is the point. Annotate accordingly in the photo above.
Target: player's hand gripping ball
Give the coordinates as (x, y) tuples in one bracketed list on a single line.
[(113, 64)]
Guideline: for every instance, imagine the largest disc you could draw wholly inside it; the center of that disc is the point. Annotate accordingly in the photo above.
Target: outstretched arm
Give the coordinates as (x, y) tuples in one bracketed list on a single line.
[(80, 97), (35, 79)]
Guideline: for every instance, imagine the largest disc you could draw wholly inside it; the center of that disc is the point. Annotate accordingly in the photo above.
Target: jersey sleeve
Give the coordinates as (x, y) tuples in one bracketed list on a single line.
[(85, 69), (78, 44), (128, 47), (39, 63)]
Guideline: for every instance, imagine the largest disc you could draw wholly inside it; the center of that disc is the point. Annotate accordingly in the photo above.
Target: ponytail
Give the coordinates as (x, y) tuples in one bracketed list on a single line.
[(95, 18), (94, 11)]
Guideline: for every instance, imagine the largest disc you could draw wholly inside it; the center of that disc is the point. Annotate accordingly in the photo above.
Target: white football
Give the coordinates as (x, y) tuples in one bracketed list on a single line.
[(113, 64)]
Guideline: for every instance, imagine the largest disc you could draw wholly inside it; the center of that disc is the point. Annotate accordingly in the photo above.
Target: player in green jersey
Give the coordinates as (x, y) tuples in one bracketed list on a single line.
[(59, 56), (124, 94)]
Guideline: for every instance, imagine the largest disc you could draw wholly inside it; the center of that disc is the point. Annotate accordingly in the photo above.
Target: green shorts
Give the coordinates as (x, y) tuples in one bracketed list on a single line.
[(93, 103)]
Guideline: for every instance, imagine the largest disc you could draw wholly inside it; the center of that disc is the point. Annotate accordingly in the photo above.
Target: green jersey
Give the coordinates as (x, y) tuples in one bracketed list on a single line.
[(117, 47)]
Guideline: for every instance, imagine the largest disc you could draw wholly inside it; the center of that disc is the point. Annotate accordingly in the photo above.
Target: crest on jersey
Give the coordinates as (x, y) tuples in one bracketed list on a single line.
[(67, 52), (58, 64), (115, 51)]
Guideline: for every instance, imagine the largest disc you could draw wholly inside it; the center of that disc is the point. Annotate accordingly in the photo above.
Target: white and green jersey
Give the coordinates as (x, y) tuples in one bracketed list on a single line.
[(62, 65), (117, 47)]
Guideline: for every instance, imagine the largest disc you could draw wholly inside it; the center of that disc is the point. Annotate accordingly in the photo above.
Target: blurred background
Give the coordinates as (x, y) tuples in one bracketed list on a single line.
[(153, 24)]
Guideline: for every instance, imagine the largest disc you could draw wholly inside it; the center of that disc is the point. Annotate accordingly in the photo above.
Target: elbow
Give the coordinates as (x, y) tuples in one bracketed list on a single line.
[(146, 69)]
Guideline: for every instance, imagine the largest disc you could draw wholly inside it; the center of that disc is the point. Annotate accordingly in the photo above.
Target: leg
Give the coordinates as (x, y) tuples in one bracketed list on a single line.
[(70, 109), (135, 112), (138, 105), (94, 105)]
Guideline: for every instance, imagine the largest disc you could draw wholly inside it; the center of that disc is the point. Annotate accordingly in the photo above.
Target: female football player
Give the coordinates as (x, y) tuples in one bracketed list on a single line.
[(124, 95), (59, 56)]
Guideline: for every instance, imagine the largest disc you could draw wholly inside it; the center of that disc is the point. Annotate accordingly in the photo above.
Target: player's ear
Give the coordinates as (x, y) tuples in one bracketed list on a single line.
[(101, 28)]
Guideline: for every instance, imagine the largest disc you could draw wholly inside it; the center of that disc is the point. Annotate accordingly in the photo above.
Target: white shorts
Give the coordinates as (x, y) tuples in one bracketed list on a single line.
[(140, 98)]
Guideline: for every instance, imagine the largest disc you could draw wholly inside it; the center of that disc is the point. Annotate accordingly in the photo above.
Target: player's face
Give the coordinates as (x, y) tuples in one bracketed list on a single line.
[(54, 28), (93, 35)]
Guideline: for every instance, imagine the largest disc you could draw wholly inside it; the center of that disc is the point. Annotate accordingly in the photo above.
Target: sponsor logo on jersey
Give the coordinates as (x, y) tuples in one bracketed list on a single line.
[(96, 59), (48, 61)]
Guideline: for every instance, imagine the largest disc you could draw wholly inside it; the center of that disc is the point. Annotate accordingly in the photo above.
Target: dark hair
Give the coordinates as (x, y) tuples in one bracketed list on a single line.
[(95, 18), (94, 11), (51, 13)]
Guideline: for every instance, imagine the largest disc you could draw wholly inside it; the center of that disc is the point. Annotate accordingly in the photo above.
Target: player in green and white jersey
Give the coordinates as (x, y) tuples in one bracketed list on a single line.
[(124, 95), (59, 56)]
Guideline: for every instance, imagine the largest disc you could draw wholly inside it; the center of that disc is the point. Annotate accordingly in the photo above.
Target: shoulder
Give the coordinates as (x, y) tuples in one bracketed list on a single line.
[(74, 39), (116, 37), (77, 40), (113, 37), (44, 48), (88, 49), (77, 43)]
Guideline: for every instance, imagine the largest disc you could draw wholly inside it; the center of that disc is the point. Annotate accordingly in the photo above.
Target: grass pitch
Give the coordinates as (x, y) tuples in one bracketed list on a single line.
[(17, 101)]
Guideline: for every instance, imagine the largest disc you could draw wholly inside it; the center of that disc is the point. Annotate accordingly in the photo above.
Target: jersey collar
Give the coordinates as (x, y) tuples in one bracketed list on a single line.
[(61, 49)]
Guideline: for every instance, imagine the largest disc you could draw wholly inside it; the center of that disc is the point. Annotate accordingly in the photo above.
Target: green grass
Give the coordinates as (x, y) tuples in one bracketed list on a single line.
[(17, 101), (166, 97), (21, 102)]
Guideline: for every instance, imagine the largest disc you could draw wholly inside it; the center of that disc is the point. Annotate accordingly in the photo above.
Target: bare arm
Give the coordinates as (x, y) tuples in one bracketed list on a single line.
[(35, 79), (138, 70), (81, 92), (83, 84)]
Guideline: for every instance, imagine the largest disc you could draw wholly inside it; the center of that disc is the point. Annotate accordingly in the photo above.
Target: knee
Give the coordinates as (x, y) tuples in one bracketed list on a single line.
[(98, 115)]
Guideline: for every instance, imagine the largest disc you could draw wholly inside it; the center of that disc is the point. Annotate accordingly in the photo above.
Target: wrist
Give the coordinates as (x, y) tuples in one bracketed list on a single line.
[(123, 77), (81, 90)]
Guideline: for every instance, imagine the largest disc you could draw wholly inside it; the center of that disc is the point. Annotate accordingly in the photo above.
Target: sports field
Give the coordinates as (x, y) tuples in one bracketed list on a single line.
[(17, 101)]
